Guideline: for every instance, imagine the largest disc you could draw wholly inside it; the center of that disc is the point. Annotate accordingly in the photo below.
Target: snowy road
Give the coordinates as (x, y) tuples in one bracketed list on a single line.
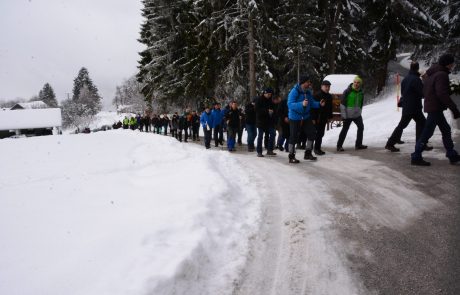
[(362, 222)]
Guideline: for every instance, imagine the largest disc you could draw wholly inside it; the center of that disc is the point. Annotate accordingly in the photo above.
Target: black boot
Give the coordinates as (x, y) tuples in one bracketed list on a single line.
[(308, 156), (292, 159)]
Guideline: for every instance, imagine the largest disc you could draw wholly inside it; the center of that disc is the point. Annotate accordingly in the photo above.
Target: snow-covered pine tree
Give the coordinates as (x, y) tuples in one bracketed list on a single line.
[(47, 96), (447, 39), (389, 23), (90, 98)]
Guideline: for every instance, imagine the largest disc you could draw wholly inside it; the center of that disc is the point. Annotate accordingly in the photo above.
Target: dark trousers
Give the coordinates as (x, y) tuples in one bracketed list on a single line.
[(346, 125), (179, 134), (296, 128), (166, 129), (320, 129), (252, 134), (174, 133), (231, 133), (207, 137), (260, 138), (433, 120), (419, 119), (218, 135), (240, 136), (195, 132)]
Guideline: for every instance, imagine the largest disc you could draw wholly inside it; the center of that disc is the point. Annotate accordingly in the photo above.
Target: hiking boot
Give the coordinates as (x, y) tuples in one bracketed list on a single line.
[(292, 159), (281, 148), (361, 147), (319, 152), (454, 159), (419, 162), (427, 148), (271, 153), (400, 142), (309, 156), (340, 149), (260, 155), (391, 148)]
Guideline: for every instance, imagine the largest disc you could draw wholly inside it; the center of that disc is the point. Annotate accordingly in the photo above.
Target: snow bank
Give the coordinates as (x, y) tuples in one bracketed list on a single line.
[(121, 212)]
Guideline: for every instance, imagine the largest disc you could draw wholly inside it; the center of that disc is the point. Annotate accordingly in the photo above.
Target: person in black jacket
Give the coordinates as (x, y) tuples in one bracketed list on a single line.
[(195, 126), (321, 116), (264, 112), (411, 103), (232, 120), (250, 112)]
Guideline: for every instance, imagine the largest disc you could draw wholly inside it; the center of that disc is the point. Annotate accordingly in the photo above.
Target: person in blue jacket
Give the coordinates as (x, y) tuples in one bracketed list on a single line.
[(217, 117), (300, 102), (206, 121)]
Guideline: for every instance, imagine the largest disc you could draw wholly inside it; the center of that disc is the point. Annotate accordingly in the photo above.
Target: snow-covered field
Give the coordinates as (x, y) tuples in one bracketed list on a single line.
[(123, 212)]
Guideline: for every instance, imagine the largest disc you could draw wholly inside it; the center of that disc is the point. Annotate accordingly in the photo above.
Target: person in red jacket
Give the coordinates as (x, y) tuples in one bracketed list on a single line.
[(437, 99)]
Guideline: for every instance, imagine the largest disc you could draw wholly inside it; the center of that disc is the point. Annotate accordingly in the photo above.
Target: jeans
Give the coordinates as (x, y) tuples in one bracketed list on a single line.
[(231, 133), (252, 133), (346, 125), (435, 119)]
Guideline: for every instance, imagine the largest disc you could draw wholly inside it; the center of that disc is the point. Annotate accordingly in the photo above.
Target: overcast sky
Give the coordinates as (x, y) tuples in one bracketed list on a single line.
[(49, 41)]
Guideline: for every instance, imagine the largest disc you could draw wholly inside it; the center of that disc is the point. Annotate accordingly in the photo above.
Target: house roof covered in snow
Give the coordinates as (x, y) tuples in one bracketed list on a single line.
[(30, 105)]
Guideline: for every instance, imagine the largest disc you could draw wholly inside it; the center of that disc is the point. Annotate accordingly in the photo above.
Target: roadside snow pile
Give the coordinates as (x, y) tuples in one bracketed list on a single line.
[(121, 212)]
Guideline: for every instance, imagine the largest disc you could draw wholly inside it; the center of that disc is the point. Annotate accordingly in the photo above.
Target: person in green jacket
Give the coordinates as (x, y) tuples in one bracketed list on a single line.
[(125, 123), (132, 123), (351, 105)]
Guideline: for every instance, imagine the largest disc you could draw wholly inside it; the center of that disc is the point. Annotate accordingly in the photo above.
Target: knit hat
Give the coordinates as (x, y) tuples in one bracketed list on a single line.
[(326, 82), (303, 79), (446, 59), (414, 66), (268, 90), (358, 79)]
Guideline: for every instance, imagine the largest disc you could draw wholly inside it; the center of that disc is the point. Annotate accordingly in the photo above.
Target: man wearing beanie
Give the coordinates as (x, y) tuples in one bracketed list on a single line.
[(411, 103), (322, 115), (264, 111), (300, 101), (437, 99), (351, 105)]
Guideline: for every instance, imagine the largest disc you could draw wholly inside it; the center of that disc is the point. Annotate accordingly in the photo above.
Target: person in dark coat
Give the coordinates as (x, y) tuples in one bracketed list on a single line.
[(437, 99), (283, 126), (182, 126), (232, 120), (251, 128), (165, 123), (264, 111), (174, 125), (321, 116), (411, 103), (195, 126)]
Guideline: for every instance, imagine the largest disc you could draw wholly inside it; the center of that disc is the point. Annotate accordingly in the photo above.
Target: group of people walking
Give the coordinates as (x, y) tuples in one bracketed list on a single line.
[(434, 89), (300, 120)]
